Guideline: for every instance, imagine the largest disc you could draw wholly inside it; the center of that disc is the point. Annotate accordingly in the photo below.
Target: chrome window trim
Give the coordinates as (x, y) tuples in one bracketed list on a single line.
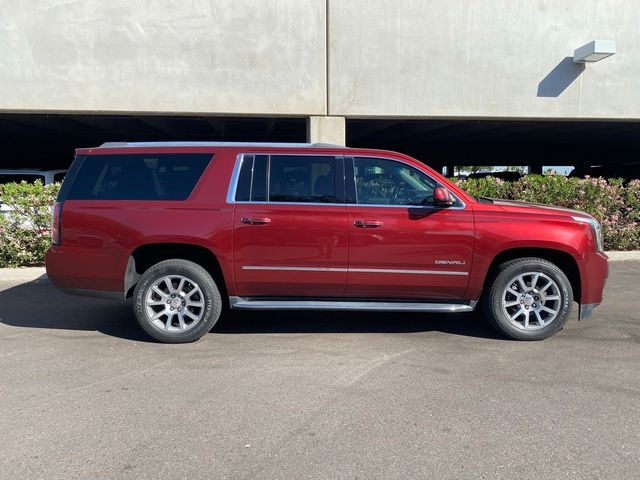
[(233, 185), (292, 203), (231, 194), (285, 268), (429, 207)]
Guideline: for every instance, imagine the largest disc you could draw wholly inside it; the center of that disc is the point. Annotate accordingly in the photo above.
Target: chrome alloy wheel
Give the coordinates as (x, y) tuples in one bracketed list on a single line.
[(174, 303), (531, 301)]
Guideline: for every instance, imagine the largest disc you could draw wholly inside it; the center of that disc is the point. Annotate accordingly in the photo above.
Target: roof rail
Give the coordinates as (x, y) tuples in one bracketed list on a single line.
[(216, 144)]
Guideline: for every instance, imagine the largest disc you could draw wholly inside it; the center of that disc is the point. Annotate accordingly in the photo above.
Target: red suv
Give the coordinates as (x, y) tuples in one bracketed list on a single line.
[(189, 228)]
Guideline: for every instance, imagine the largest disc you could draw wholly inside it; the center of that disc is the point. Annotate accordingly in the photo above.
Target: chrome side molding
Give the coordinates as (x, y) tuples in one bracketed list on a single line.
[(352, 270), (249, 303)]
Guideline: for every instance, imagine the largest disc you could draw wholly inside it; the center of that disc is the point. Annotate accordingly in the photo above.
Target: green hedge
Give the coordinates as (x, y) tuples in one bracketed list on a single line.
[(613, 202), (24, 232), (25, 236)]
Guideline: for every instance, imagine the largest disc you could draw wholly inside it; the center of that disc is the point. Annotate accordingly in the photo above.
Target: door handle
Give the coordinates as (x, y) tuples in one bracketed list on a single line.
[(367, 223), (255, 220)]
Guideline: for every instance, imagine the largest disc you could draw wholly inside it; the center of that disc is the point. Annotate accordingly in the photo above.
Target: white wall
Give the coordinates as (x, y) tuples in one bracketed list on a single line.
[(387, 58), (224, 56), (481, 58)]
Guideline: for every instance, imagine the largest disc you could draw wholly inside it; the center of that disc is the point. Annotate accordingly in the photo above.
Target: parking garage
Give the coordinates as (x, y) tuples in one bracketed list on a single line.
[(47, 141)]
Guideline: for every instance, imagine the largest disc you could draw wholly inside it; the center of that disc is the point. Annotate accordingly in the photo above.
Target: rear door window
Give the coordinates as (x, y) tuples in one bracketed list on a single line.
[(138, 176), (302, 179)]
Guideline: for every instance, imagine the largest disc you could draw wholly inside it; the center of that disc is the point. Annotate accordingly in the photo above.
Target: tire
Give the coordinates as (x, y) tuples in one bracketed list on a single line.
[(529, 299), (184, 305)]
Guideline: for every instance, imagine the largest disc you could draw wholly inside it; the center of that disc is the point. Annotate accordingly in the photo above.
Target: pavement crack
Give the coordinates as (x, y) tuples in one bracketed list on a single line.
[(356, 374)]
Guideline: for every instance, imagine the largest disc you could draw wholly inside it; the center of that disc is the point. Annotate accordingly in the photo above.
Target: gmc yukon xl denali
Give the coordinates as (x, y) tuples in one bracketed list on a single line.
[(188, 229)]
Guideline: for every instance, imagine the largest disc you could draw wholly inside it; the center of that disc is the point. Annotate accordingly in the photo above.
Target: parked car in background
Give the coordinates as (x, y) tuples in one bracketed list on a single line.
[(28, 175), (629, 171), (502, 175), (31, 175), (185, 229)]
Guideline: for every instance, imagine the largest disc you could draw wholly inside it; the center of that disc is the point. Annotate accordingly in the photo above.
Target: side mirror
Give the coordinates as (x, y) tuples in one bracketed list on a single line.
[(442, 197)]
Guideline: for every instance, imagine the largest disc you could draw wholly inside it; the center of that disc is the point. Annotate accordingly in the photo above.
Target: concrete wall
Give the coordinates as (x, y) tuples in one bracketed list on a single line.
[(223, 56), (482, 58), (386, 58)]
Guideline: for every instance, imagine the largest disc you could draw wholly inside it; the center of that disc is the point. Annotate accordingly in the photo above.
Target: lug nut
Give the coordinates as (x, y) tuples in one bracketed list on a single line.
[(171, 308), (534, 305), (183, 304), (168, 301), (179, 309), (173, 295)]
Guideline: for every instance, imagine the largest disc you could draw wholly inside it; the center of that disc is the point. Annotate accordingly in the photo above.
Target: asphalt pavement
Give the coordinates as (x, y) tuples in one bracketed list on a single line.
[(85, 394)]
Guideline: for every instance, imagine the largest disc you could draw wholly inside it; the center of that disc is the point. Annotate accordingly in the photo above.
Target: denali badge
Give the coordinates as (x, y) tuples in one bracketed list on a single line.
[(449, 262)]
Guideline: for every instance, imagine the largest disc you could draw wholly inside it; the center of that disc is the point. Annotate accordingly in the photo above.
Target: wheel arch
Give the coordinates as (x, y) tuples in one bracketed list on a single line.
[(562, 259), (145, 256)]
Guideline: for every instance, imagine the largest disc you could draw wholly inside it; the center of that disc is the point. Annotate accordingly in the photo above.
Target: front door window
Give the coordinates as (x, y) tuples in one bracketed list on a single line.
[(386, 182)]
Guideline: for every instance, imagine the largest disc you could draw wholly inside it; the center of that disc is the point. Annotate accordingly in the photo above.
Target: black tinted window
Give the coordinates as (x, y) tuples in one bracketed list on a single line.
[(388, 182), (138, 176), (243, 187), (302, 179), (252, 181), (259, 182)]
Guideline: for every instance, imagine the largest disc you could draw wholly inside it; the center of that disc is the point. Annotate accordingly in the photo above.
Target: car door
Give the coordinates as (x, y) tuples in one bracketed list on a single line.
[(400, 244), (290, 226)]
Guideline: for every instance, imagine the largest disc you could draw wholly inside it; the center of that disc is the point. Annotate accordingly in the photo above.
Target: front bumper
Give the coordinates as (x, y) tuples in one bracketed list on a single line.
[(594, 270)]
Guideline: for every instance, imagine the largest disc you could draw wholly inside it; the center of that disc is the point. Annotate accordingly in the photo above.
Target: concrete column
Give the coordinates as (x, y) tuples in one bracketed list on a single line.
[(326, 130)]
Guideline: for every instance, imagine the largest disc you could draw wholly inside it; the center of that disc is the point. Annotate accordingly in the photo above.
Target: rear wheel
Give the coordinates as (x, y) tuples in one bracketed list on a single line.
[(529, 299), (177, 301)]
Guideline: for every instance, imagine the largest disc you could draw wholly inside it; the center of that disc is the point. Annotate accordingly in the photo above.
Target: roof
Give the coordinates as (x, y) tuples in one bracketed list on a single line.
[(216, 144)]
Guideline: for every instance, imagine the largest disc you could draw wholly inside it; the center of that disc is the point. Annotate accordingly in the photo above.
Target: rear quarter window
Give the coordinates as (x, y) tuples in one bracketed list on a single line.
[(138, 176)]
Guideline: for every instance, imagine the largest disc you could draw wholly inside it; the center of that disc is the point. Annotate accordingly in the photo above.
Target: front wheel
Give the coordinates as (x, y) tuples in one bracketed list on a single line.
[(176, 301), (529, 299)]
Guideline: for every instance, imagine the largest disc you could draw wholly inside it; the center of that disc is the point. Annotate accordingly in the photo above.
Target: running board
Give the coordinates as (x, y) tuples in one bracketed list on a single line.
[(247, 303)]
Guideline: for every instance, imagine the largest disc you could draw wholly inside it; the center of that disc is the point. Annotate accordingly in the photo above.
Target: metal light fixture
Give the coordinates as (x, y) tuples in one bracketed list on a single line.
[(594, 51)]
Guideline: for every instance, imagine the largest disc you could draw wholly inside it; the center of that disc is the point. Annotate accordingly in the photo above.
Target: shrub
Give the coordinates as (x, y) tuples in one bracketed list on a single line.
[(25, 236), (24, 231), (614, 203)]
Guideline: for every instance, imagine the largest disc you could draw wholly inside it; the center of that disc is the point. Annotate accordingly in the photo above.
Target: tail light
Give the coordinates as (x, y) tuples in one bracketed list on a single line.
[(56, 223)]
